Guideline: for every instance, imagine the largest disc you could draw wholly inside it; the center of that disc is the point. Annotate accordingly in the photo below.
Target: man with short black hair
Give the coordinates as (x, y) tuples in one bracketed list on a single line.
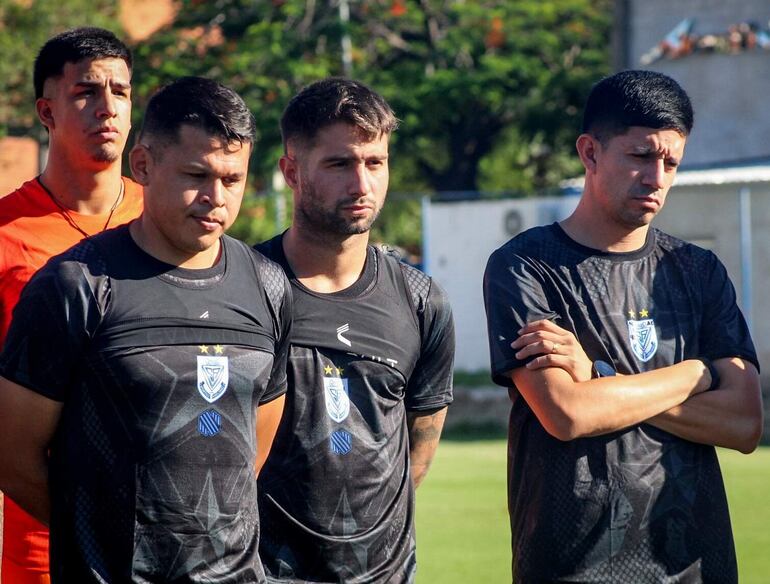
[(137, 360), (370, 368), (627, 361), (82, 82)]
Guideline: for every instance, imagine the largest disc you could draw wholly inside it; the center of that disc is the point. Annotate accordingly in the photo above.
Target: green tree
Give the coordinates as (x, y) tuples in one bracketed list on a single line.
[(480, 83), (24, 26), (489, 91)]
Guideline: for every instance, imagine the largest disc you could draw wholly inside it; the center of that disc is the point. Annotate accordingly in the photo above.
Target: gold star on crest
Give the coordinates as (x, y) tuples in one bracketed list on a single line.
[(204, 349), (218, 349), (339, 370), (328, 370), (631, 314), (643, 313)]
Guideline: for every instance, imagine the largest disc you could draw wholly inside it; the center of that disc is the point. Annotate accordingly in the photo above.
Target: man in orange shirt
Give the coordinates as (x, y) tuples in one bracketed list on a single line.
[(82, 83)]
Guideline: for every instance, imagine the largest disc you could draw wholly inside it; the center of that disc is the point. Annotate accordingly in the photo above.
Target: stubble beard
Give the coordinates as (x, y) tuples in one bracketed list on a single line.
[(314, 217)]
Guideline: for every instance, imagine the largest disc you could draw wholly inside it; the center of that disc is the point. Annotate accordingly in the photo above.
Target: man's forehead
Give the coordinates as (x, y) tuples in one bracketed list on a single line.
[(201, 139), (340, 139), (652, 138), (113, 68)]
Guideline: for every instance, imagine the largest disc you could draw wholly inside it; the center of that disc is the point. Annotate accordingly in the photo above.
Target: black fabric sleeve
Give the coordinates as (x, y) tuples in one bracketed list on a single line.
[(514, 295), (281, 306), (723, 330), (430, 385), (52, 324)]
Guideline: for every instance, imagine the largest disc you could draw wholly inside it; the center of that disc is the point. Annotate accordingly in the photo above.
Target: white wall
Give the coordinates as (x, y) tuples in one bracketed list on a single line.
[(460, 238)]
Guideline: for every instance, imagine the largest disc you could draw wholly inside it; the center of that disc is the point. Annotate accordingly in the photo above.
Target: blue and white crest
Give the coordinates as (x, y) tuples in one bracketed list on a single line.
[(341, 442), (337, 398), (209, 423), (644, 339), (213, 377)]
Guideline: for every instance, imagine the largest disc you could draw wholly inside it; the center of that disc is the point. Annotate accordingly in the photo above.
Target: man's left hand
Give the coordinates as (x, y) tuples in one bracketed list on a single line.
[(555, 347)]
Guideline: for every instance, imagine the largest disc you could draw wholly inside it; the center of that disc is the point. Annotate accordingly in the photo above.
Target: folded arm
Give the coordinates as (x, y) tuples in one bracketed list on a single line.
[(27, 424), (568, 409), (729, 416)]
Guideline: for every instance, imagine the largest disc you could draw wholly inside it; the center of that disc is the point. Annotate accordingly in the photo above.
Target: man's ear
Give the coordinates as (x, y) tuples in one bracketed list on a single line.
[(587, 149), (141, 163), (44, 112), (289, 168)]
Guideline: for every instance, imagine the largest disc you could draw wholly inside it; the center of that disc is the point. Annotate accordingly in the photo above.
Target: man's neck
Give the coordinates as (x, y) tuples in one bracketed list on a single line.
[(88, 192), (323, 265), (591, 229)]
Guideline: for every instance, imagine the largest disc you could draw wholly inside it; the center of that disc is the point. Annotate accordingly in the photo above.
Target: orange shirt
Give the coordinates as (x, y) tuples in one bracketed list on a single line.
[(33, 229)]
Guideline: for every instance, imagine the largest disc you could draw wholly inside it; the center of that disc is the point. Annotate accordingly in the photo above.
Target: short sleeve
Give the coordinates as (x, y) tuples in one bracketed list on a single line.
[(280, 297), (723, 331), (51, 328), (430, 385), (514, 295)]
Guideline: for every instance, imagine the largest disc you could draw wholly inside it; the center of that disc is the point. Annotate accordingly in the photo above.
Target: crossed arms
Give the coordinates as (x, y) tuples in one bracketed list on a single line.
[(569, 404)]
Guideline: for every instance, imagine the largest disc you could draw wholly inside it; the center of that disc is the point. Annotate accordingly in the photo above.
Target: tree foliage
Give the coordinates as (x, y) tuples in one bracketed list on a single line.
[(474, 80), (489, 92), (24, 26)]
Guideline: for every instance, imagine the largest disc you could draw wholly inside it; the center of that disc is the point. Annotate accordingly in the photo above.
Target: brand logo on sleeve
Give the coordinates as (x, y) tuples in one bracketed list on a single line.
[(642, 335), (343, 329)]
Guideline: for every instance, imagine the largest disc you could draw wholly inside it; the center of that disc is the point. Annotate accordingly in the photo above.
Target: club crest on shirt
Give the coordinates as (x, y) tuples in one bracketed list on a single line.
[(213, 377), (337, 398), (644, 339)]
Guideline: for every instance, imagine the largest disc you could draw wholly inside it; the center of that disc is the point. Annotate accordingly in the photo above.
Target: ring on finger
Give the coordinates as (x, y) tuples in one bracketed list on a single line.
[(555, 348)]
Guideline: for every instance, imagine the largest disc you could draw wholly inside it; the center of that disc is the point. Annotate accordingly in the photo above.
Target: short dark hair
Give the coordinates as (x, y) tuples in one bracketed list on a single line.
[(332, 100), (201, 103), (73, 46), (636, 98)]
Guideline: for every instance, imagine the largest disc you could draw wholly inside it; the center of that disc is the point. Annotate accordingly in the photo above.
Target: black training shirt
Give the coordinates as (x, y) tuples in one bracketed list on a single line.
[(159, 370), (637, 505)]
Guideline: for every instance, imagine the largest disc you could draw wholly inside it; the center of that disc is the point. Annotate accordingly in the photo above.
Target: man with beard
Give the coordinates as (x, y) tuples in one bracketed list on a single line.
[(617, 406), (370, 367), (82, 81)]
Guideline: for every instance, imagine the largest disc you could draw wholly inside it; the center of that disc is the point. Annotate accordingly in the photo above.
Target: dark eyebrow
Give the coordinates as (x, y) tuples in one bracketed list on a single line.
[(349, 158), (195, 166), (95, 84), (339, 158)]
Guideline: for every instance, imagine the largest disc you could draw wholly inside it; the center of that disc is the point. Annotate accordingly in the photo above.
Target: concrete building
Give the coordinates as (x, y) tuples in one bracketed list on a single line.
[(728, 87)]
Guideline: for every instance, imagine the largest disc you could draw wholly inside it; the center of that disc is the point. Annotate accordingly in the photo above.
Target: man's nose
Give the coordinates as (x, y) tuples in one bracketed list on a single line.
[(360, 181)]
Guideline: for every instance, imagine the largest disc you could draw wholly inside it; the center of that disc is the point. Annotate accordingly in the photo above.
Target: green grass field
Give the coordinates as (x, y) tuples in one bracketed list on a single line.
[(462, 521)]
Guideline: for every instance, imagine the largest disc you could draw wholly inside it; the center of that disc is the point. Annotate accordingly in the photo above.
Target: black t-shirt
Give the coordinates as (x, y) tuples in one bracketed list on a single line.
[(336, 497), (637, 505), (159, 370)]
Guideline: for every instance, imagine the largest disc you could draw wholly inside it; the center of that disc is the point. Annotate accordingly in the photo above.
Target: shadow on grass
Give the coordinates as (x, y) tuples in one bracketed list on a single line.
[(474, 432)]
